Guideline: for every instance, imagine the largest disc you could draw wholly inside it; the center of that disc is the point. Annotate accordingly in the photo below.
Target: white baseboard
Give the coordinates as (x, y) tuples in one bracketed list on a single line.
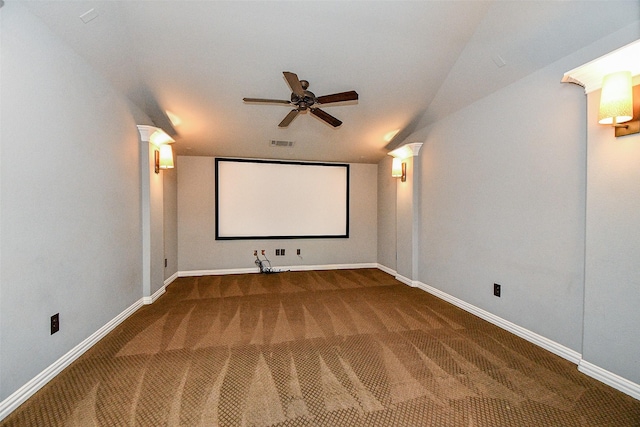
[(398, 277), (610, 379), (173, 277), (159, 292), (539, 340), (155, 296), (386, 270), (18, 397), (328, 267), (405, 280), (190, 273)]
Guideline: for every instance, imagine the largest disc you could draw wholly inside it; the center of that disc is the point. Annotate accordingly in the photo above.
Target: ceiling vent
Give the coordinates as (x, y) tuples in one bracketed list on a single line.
[(275, 143)]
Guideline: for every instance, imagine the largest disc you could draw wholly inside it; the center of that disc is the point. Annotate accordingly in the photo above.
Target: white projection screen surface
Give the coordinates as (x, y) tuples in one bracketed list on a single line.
[(269, 199)]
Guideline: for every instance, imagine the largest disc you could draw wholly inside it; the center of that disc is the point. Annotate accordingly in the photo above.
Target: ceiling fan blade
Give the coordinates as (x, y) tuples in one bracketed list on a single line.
[(267, 101), (326, 117), (294, 83), (289, 118), (338, 97)]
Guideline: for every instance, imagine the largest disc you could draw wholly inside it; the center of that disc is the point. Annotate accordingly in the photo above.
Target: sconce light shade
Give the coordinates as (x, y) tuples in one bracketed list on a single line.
[(396, 168), (399, 169), (616, 103), (166, 157)]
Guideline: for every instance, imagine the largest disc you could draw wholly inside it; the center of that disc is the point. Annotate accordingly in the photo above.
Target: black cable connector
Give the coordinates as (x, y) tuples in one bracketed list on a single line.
[(262, 265)]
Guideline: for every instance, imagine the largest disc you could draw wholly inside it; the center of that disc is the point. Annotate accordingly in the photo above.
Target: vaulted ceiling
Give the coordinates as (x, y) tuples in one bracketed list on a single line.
[(411, 62)]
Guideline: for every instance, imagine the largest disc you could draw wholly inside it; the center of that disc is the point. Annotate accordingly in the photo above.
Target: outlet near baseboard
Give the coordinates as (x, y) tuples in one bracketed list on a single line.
[(55, 323)]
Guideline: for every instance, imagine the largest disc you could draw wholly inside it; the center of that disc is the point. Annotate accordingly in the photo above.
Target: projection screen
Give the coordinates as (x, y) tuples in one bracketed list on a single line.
[(272, 199)]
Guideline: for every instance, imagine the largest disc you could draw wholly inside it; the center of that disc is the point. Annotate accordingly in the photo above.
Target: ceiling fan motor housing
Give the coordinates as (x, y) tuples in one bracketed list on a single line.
[(304, 102)]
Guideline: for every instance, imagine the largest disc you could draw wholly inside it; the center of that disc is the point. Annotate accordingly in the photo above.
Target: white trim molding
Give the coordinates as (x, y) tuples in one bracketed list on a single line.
[(405, 280), (155, 296), (190, 273), (276, 269), (154, 135), (159, 292), (18, 397), (387, 270), (406, 151), (610, 379), (170, 279)]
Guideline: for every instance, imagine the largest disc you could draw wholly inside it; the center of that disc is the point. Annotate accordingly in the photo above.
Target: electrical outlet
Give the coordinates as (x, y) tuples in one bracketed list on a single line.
[(282, 252), (496, 289), (255, 252), (298, 251), (262, 251), (55, 323), (277, 252)]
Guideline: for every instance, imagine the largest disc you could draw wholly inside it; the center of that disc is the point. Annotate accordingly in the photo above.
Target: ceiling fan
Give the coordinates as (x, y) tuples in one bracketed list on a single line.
[(303, 100)]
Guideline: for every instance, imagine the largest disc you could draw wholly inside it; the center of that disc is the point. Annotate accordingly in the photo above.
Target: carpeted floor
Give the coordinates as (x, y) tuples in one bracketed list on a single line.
[(323, 348)]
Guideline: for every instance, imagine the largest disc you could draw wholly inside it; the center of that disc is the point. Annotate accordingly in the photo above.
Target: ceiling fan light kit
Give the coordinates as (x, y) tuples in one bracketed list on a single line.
[(304, 100)]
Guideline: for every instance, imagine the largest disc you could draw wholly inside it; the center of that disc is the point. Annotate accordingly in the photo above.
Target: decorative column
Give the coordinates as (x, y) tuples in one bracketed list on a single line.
[(151, 199), (407, 218)]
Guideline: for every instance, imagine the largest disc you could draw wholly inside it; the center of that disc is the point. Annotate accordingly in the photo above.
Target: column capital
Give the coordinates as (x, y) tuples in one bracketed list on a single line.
[(406, 151), (154, 135)]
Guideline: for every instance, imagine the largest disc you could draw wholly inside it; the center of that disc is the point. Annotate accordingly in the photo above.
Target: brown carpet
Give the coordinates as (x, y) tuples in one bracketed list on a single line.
[(323, 348)]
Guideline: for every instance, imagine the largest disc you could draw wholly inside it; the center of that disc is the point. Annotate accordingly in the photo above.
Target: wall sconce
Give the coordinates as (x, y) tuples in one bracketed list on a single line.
[(399, 166), (163, 158), (162, 153), (399, 169), (616, 104)]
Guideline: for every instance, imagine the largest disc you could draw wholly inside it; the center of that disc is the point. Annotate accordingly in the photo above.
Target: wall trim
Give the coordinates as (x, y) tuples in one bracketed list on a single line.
[(610, 379), (405, 280), (170, 279), (159, 292), (189, 273), (387, 270), (552, 346), (155, 296), (18, 397)]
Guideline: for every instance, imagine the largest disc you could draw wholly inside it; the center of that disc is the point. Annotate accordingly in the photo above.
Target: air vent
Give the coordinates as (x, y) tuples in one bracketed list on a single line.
[(275, 143)]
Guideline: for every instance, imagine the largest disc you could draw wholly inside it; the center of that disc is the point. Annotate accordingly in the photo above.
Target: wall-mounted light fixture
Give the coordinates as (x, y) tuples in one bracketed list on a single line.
[(162, 153), (164, 158), (601, 73), (400, 154), (616, 104), (399, 169)]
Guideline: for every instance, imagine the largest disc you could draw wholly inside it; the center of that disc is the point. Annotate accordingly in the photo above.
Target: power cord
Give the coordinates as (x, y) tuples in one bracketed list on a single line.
[(265, 265), (264, 268)]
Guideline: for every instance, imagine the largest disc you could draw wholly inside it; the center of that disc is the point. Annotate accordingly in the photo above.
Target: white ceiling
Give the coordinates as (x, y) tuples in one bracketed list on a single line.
[(411, 62)]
